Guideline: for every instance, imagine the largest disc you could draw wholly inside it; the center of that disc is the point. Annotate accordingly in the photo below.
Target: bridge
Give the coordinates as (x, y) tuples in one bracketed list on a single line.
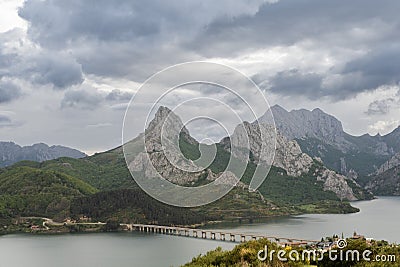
[(214, 234)]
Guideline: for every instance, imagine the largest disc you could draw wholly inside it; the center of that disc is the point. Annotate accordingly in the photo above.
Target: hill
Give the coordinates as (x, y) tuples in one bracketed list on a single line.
[(101, 187), (27, 191), (11, 153)]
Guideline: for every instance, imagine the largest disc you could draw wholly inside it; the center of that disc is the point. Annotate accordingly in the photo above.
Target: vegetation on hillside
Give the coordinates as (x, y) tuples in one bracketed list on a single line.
[(246, 255), (364, 161), (26, 191), (101, 187)]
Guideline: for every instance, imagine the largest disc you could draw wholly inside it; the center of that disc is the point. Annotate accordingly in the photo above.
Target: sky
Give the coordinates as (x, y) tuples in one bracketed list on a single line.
[(68, 68)]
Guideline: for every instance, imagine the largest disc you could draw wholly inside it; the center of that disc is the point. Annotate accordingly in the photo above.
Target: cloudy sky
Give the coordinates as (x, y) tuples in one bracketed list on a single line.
[(69, 67)]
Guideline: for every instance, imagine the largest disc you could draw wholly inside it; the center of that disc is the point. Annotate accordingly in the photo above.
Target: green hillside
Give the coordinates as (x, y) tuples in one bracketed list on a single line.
[(363, 161), (101, 187), (384, 184), (27, 191)]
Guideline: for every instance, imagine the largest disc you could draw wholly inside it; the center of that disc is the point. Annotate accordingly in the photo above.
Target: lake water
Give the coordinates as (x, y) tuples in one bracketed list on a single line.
[(378, 219)]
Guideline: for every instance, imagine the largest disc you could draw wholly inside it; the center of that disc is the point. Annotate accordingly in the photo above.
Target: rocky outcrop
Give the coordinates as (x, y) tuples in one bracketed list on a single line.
[(11, 153), (246, 143), (386, 180), (391, 163), (288, 156), (162, 157), (321, 135), (304, 123), (386, 183), (335, 182)]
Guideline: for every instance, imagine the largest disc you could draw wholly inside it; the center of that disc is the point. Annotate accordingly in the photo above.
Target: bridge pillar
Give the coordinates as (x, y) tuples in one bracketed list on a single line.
[(212, 235), (242, 238), (232, 237), (254, 237), (203, 234), (195, 233), (222, 236)]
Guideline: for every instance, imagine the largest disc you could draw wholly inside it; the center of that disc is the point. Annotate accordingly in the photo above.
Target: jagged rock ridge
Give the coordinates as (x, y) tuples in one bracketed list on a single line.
[(391, 163), (289, 156), (321, 135)]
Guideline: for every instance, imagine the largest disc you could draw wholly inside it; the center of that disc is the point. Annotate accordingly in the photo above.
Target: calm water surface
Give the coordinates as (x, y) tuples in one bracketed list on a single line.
[(378, 219)]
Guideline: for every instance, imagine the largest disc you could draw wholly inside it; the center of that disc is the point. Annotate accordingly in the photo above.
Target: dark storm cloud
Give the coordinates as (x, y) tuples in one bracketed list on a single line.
[(102, 20), (293, 82), (336, 86), (4, 119), (118, 95), (55, 23), (61, 72), (328, 25), (289, 21), (8, 91), (125, 38), (21, 60), (380, 66), (133, 39), (380, 107), (88, 99)]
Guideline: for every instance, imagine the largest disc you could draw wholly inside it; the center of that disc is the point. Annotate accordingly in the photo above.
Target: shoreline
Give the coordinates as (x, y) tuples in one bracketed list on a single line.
[(64, 228)]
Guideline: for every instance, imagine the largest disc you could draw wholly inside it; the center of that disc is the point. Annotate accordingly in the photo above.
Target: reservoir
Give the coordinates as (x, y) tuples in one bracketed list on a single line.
[(378, 219)]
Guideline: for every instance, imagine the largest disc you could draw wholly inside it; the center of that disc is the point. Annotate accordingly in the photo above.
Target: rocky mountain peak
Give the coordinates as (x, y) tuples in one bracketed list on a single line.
[(159, 121), (304, 123), (290, 157)]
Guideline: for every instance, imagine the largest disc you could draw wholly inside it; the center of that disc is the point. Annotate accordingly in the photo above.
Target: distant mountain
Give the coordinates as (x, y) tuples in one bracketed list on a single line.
[(321, 135), (302, 123), (11, 153), (296, 183), (288, 157), (386, 183), (386, 180), (391, 163)]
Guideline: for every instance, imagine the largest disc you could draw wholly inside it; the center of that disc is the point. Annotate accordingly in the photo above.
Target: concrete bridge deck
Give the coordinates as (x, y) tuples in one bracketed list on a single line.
[(211, 234)]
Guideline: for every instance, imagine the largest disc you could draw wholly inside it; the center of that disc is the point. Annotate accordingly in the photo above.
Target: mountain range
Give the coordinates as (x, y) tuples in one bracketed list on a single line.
[(302, 178), (370, 160), (11, 153), (101, 187), (321, 135)]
